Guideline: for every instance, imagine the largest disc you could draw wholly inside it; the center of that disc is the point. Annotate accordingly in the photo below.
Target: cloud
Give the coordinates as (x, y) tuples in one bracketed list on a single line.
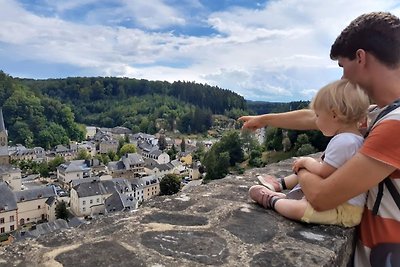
[(278, 51)]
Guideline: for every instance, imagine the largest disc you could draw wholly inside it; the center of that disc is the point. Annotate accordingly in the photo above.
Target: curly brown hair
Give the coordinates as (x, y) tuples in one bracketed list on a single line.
[(377, 33)]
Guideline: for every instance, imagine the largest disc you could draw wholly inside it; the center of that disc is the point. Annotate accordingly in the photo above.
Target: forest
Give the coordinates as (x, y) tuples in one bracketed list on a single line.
[(54, 111)]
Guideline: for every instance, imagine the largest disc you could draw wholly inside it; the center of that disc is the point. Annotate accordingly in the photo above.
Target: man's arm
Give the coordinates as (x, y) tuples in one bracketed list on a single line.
[(303, 119), (356, 176)]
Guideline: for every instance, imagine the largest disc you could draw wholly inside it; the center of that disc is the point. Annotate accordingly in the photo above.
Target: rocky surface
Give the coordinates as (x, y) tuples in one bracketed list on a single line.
[(214, 224)]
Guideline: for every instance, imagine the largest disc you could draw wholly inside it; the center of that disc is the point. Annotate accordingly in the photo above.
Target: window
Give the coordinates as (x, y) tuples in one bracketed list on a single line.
[(38, 207), (84, 202), (1, 220), (2, 230), (12, 227), (83, 209), (98, 200), (11, 218), (91, 201)]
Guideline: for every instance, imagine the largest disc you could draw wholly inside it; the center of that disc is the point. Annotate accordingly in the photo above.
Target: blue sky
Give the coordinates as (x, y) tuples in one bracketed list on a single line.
[(263, 50)]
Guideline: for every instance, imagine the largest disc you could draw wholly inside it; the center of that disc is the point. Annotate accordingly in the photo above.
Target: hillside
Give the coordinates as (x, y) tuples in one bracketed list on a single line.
[(49, 112)]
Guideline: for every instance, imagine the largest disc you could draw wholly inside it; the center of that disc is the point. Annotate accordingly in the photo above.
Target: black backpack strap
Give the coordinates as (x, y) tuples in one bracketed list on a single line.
[(393, 191), (384, 112), (387, 181), (378, 198)]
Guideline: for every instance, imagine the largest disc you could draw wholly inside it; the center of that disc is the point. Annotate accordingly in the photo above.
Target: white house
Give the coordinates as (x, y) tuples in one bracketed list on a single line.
[(32, 207), (146, 187), (89, 198), (73, 170)]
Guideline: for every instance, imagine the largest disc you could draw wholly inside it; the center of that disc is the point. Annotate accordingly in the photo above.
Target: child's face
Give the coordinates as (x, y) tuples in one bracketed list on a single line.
[(327, 122)]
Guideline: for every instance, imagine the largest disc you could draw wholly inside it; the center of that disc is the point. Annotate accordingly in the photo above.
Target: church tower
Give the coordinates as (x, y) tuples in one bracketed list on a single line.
[(4, 157)]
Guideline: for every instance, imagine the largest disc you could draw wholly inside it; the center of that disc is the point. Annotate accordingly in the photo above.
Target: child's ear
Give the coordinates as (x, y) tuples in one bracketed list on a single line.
[(334, 113)]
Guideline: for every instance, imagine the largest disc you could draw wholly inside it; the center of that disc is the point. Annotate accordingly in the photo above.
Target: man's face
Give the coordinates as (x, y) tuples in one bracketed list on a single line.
[(349, 69)]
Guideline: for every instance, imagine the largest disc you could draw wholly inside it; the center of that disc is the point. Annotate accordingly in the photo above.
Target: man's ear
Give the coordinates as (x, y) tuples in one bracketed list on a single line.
[(361, 56)]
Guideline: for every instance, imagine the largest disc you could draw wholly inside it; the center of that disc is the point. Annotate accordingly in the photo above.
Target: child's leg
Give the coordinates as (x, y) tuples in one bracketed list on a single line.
[(279, 184), (291, 208), (291, 181)]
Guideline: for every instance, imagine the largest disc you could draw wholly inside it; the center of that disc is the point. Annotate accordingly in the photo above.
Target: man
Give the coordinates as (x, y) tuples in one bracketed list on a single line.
[(368, 50)]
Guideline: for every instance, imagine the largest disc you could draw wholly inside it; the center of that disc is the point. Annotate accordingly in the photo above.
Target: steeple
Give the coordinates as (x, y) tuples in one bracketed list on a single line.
[(2, 127)]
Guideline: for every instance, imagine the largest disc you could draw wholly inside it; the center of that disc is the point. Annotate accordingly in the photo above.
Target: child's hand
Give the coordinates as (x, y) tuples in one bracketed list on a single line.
[(300, 163)]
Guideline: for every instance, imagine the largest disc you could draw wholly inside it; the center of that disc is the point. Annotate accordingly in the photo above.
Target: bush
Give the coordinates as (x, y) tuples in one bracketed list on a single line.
[(170, 184), (305, 149)]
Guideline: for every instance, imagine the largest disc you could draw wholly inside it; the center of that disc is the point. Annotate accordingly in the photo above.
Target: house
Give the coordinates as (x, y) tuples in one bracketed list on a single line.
[(89, 198), (194, 172), (148, 186), (105, 146), (89, 147), (105, 142), (73, 170), (120, 202), (51, 204), (90, 132), (12, 176), (32, 207), (185, 158), (8, 209), (62, 151), (178, 168), (143, 137), (37, 154), (152, 167), (120, 132), (129, 166)]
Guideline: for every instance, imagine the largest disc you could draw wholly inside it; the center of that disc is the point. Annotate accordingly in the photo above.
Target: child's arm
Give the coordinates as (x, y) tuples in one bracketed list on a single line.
[(314, 166)]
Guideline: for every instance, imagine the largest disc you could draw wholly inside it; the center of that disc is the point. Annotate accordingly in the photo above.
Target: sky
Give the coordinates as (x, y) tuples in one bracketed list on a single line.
[(274, 51)]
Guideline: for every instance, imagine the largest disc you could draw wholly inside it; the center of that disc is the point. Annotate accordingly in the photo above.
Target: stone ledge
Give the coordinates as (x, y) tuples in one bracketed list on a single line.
[(214, 224)]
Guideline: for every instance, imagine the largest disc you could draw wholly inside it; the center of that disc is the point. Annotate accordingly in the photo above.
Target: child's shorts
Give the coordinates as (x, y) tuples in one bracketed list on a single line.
[(346, 215)]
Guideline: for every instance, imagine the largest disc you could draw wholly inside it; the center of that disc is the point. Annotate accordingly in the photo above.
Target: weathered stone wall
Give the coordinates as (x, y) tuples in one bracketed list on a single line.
[(214, 224)]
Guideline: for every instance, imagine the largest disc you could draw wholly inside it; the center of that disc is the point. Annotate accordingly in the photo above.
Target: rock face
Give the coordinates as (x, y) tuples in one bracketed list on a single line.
[(214, 224)]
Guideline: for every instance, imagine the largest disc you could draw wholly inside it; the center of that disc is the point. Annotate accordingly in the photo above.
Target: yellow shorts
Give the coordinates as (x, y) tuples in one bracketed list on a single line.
[(346, 215)]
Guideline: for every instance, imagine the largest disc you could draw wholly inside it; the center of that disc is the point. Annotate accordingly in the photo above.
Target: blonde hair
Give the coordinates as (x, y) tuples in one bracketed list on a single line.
[(348, 101)]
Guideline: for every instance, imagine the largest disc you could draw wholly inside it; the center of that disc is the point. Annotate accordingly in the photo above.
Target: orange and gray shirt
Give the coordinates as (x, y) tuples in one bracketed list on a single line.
[(379, 235)]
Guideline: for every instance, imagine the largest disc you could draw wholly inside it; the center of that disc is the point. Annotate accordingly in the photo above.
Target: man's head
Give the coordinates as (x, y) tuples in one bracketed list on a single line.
[(377, 33)]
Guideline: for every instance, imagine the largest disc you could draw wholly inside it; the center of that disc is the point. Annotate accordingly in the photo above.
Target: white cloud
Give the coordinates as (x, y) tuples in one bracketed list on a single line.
[(276, 52)]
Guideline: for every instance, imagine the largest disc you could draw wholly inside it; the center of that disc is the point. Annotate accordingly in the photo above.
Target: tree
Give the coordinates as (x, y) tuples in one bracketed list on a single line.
[(216, 163), (83, 154), (172, 152), (232, 143), (162, 142), (170, 184), (61, 210), (305, 149), (53, 164), (183, 144), (199, 152), (302, 139), (255, 158), (127, 148), (112, 155)]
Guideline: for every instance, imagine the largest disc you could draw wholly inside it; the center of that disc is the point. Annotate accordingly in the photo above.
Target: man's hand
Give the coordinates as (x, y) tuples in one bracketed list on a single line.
[(251, 122)]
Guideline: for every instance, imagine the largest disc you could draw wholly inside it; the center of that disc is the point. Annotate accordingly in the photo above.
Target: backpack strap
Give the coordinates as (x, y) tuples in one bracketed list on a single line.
[(393, 191), (387, 181)]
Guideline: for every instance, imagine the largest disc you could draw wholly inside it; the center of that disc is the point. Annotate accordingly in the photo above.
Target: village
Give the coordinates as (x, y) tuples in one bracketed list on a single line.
[(87, 187)]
